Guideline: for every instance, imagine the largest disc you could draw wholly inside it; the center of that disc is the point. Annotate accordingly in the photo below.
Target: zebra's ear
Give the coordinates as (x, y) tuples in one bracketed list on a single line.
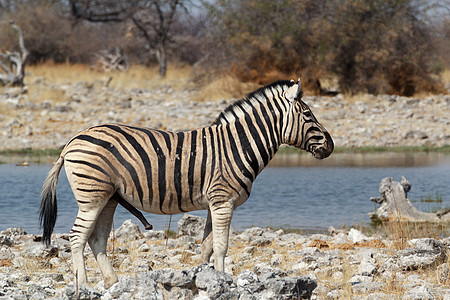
[(294, 92)]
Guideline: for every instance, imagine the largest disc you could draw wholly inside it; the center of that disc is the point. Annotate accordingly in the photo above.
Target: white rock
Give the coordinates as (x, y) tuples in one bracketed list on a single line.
[(419, 293), (356, 236)]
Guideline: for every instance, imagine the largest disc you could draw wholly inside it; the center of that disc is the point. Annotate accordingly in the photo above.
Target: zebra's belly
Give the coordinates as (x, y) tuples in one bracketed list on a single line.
[(170, 204)]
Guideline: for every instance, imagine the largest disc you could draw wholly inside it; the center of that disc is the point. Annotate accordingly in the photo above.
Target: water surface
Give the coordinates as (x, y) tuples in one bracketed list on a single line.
[(333, 193)]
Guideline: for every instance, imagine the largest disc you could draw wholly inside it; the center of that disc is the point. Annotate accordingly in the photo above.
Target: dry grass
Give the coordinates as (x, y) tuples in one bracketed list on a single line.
[(224, 87), (446, 77), (136, 76), (46, 81)]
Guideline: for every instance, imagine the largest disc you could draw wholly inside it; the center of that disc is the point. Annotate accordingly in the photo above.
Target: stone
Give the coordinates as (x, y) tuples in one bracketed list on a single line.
[(367, 267), (293, 237), (40, 251), (170, 277), (367, 287), (419, 293), (298, 287), (264, 268), (5, 241), (144, 248), (214, 282), (13, 231), (128, 231), (147, 288), (356, 236), (426, 253), (84, 292), (155, 234), (191, 225), (261, 242), (416, 134), (334, 294), (177, 294), (356, 279), (248, 281)]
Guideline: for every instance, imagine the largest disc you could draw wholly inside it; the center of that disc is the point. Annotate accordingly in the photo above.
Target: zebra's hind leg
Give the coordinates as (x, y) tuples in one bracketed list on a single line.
[(207, 242), (81, 230), (98, 241)]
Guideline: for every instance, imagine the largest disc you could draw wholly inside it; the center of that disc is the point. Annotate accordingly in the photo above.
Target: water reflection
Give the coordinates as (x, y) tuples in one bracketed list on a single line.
[(381, 159), (303, 159)]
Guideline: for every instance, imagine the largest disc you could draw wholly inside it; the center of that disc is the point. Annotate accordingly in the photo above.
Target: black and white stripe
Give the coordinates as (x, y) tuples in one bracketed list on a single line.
[(173, 172)]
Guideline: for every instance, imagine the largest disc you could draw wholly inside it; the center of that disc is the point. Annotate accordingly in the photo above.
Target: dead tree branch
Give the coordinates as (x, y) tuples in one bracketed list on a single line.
[(153, 20), (12, 64), (113, 59)]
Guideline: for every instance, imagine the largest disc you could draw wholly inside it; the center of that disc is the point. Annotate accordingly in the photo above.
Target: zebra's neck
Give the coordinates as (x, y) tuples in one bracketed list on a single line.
[(254, 125), (270, 96)]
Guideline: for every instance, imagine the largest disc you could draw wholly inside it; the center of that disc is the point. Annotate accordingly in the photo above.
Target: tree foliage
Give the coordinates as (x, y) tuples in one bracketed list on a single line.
[(381, 46), (370, 45)]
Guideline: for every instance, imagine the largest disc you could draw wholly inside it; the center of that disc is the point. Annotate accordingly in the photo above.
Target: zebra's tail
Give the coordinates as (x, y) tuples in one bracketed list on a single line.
[(49, 207)]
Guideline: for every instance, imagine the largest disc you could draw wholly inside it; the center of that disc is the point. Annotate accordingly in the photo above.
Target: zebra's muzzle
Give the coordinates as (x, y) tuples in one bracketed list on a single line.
[(325, 150)]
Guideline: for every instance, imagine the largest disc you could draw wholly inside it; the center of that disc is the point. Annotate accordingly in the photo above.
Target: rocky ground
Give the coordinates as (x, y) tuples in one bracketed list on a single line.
[(261, 264), (29, 121)]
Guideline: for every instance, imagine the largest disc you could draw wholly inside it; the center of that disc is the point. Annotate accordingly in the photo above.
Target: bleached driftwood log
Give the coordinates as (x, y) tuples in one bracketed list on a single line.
[(12, 64), (395, 204), (112, 59)]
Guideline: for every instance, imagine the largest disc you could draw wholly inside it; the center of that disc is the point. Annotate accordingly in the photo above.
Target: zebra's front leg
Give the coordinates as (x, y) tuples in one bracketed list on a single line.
[(221, 213), (207, 242)]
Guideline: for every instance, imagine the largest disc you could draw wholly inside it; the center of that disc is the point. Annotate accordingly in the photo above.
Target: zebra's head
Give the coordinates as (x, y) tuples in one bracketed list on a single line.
[(301, 129)]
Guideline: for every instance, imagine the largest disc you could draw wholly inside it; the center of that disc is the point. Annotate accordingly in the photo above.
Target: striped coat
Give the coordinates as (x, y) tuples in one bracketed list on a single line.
[(173, 172)]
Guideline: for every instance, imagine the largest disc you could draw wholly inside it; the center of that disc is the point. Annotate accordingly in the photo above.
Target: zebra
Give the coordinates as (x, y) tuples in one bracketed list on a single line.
[(167, 172)]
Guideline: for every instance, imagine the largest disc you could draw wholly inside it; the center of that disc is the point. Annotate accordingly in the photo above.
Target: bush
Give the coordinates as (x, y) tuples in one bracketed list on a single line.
[(49, 36), (372, 46), (382, 47)]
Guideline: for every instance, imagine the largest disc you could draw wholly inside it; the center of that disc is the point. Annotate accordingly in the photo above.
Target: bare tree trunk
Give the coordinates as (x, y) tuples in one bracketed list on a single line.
[(395, 204), (161, 57), (12, 64)]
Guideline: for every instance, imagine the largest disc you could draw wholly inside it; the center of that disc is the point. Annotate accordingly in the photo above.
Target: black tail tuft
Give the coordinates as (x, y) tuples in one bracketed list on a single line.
[(47, 217), (49, 207)]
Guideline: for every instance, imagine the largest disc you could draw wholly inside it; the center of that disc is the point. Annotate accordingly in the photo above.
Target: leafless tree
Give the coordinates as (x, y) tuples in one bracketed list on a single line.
[(12, 64), (152, 18)]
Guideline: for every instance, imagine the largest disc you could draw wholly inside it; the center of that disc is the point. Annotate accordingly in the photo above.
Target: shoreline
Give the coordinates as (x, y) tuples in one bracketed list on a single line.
[(286, 156)]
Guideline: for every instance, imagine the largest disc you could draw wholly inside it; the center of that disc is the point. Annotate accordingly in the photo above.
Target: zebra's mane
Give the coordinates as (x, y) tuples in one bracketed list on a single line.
[(260, 95)]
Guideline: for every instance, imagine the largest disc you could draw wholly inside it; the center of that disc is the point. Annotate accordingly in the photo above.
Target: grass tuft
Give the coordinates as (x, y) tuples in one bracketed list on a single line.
[(435, 198)]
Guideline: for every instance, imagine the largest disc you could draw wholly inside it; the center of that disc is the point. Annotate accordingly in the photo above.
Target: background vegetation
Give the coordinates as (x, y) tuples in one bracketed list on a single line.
[(375, 46)]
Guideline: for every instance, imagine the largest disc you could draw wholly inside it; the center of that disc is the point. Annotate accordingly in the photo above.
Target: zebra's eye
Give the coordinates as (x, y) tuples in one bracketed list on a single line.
[(307, 113)]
